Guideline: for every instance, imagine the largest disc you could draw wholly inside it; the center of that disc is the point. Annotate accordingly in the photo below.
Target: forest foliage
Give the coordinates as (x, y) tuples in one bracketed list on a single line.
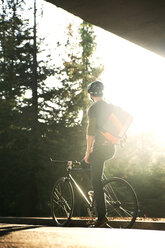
[(38, 122)]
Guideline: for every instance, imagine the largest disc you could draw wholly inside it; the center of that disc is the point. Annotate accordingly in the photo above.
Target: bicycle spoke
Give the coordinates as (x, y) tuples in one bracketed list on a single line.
[(62, 202), (125, 211), (63, 206), (120, 201)]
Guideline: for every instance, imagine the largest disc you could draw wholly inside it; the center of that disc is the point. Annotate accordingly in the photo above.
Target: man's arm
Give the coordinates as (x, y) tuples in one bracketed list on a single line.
[(90, 138)]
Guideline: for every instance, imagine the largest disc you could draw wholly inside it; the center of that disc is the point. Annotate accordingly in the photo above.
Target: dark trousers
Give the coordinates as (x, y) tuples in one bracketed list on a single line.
[(97, 159)]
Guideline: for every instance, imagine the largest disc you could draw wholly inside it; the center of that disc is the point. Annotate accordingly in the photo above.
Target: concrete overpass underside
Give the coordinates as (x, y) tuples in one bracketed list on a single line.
[(139, 21)]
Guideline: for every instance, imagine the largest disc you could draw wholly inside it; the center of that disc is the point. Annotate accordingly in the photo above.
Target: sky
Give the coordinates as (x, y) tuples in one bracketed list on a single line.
[(134, 77)]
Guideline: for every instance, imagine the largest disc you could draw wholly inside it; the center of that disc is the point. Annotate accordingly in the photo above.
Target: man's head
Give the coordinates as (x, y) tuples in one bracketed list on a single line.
[(95, 89)]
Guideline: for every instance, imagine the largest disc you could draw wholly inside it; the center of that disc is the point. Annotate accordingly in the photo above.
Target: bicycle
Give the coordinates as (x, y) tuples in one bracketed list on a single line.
[(120, 199)]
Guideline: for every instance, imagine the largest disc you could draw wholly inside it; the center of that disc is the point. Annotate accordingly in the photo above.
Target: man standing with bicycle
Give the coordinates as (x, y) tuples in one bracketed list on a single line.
[(98, 148)]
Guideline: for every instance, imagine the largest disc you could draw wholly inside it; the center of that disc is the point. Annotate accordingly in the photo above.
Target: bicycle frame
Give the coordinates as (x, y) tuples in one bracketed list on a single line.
[(78, 187), (80, 191), (69, 168)]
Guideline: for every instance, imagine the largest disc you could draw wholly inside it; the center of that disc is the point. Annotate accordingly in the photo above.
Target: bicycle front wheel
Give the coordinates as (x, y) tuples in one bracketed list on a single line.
[(121, 203), (62, 201)]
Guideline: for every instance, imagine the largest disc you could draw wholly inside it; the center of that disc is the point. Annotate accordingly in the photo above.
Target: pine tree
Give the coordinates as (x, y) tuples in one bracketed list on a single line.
[(71, 99), (21, 89), (77, 72)]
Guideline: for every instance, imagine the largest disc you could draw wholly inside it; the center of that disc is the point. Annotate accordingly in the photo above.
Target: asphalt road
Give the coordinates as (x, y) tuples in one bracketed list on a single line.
[(27, 236)]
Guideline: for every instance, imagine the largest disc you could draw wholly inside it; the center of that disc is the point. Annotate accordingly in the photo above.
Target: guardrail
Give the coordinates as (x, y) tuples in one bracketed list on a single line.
[(80, 222)]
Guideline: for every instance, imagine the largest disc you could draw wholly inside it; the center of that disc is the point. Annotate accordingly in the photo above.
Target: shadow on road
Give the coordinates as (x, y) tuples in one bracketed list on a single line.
[(9, 229)]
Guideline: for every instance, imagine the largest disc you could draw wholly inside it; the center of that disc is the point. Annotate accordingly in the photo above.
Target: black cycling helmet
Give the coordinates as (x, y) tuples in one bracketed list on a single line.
[(96, 88)]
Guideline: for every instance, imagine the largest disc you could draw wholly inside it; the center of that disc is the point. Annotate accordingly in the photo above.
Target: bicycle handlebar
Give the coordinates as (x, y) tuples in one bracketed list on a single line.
[(69, 164), (57, 161)]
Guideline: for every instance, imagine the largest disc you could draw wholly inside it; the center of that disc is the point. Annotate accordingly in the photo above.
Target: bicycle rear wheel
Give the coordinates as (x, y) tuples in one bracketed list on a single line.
[(121, 203), (62, 201)]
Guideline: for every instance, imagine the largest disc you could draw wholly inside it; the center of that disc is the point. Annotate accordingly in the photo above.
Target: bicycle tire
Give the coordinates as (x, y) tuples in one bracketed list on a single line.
[(62, 201), (121, 203)]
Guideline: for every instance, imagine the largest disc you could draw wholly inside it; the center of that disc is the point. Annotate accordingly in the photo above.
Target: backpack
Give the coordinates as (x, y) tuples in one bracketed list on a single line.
[(115, 126)]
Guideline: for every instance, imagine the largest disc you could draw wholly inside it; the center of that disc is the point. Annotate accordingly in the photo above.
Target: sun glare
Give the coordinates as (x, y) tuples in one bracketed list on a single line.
[(134, 78)]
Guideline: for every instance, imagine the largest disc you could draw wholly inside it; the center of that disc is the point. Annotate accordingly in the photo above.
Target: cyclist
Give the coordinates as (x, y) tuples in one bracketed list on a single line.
[(98, 148)]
